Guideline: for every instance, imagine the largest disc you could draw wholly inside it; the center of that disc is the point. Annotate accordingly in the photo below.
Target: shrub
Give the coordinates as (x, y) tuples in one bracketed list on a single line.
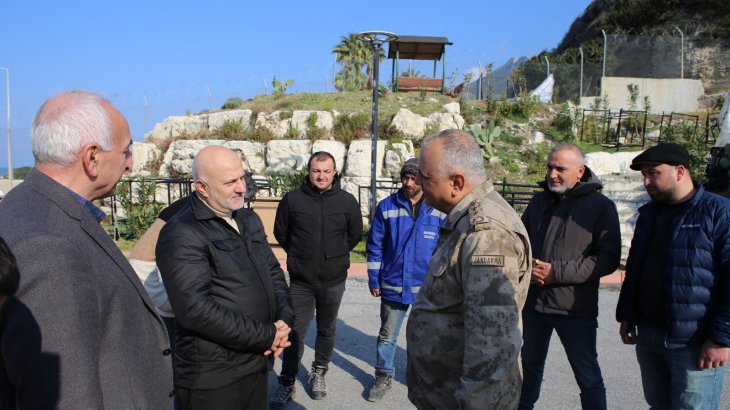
[(283, 182), (232, 130), (350, 127), (281, 86), (232, 103), (137, 198)]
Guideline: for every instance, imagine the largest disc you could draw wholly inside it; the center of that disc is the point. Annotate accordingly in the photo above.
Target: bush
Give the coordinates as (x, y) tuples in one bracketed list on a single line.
[(350, 127), (137, 198), (283, 182), (232, 103), (232, 130)]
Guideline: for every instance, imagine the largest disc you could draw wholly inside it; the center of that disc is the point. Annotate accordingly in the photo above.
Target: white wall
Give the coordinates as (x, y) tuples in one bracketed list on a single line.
[(665, 94)]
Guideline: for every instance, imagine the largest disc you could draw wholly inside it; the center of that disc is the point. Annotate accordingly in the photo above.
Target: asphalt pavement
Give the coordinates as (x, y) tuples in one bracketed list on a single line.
[(351, 372)]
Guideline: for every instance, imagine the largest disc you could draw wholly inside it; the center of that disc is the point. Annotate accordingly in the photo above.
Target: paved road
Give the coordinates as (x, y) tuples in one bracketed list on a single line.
[(351, 371)]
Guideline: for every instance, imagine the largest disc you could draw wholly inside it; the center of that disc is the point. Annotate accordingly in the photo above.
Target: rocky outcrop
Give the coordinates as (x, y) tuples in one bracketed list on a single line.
[(177, 126), (273, 123), (300, 120), (217, 119), (145, 156)]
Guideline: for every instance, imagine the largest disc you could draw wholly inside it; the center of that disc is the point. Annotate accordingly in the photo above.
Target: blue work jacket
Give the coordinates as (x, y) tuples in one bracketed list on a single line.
[(399, 247)]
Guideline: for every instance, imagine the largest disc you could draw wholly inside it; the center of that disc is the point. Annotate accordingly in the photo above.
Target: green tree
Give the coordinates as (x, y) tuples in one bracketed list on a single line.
[(358, 53), (350, 78)]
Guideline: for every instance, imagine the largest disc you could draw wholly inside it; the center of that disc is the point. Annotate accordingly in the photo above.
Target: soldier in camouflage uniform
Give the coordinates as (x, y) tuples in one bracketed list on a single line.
[(465, 331)]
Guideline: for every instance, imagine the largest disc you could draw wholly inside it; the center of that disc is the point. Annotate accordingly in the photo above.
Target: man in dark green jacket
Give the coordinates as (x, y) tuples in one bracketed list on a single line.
[(575, 237)]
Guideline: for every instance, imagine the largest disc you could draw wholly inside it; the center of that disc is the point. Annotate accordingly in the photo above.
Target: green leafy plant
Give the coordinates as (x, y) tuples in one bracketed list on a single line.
[(647, 104), (633, 90), (137, 198), (485, 138), (232, 130), (281, 86), (232, 103), (313, 131), (283, 182), (350, 127)]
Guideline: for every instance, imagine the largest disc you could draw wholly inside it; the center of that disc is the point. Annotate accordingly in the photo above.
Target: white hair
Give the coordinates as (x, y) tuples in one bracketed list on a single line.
[(67, 122), (461, 153)]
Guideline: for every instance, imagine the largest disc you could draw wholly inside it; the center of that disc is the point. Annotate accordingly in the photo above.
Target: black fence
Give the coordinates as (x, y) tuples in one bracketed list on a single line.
[(170, 189)]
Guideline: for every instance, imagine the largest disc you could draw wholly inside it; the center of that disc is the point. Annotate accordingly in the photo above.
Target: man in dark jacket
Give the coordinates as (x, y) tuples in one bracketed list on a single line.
[(81, 333), (403, 235), (317, 225), (575, 237), (677, 287), (228, 292)]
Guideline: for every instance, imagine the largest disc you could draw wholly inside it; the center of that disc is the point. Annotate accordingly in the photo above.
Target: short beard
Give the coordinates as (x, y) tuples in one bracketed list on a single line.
[(557, 190)]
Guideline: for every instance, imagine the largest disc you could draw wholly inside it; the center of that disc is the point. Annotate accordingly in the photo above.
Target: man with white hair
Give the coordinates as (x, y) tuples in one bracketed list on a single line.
[(464, 331), (90, 338)]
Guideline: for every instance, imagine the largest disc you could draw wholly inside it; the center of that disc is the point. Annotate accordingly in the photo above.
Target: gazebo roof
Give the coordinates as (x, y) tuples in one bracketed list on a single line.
[(418, 47)]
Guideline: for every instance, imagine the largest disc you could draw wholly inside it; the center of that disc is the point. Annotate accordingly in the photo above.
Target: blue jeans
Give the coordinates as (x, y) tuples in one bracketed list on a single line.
[(578, 336), (391, 319), (670, 377)]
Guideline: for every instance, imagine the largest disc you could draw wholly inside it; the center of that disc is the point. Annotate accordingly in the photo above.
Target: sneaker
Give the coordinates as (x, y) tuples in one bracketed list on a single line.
[(316, 380), (383, 383), (284, 393)]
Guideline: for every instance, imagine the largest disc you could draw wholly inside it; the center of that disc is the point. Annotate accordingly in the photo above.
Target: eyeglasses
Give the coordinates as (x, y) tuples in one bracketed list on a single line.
[(128, 152)]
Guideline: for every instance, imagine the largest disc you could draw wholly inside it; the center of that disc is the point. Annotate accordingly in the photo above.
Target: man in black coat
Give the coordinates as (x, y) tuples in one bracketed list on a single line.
[(575, 237), (317, 225), (227, 289)]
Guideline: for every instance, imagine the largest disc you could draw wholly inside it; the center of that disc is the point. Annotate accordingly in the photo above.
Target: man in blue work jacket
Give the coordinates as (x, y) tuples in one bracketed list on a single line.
[(402, 238)]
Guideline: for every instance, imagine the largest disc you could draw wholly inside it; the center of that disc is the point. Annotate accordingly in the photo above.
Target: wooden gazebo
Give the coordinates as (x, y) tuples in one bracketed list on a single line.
[(418, 48)]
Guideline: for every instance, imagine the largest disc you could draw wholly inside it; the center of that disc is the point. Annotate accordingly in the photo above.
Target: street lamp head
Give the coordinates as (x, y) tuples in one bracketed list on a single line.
[(377, 36)]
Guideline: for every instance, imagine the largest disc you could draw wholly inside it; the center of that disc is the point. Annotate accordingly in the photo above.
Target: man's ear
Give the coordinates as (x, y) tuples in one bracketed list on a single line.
[(90, 159), (681, 172), (200, 188), (458, 181)]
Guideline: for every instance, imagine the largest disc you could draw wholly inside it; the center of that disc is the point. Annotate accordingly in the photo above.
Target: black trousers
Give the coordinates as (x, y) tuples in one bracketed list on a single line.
[(250, 392), (305, 301)]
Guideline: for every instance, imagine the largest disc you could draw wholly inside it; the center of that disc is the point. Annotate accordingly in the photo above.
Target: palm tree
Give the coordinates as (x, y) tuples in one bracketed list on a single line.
[(352, 50), (350, 78), (410, 72)]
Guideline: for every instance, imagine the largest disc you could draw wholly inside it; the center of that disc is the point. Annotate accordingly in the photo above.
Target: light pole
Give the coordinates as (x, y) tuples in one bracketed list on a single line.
[(603, 74), (376, 39), (10, 149), (682, 52)]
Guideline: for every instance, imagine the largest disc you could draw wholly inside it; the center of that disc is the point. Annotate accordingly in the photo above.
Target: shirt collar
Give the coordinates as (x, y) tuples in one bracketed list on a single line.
[(97, 213)]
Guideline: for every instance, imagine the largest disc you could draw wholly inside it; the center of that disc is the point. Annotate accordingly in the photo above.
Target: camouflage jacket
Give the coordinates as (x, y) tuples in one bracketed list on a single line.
[(465, 329)]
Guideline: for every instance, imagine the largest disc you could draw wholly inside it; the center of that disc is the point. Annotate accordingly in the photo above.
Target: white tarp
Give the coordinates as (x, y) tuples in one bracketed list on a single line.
[(544, 91)]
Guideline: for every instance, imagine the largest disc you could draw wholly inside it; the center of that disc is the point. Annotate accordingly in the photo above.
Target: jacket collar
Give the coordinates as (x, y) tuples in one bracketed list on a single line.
[(462, 208)]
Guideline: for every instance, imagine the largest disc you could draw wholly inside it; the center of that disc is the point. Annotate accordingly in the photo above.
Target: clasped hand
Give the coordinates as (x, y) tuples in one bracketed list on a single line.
[(281, 339)]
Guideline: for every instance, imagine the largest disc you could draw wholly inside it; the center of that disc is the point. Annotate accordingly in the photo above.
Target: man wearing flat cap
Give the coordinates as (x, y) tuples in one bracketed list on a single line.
[(402, 238), (675, 301)]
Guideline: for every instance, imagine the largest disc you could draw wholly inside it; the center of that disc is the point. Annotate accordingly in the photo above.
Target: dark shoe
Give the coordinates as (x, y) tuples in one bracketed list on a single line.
[(383, 383), (316, 380), (284, 393)]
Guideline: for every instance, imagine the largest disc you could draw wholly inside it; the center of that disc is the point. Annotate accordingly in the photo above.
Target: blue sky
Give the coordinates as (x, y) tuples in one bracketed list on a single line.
[(190, 56)]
